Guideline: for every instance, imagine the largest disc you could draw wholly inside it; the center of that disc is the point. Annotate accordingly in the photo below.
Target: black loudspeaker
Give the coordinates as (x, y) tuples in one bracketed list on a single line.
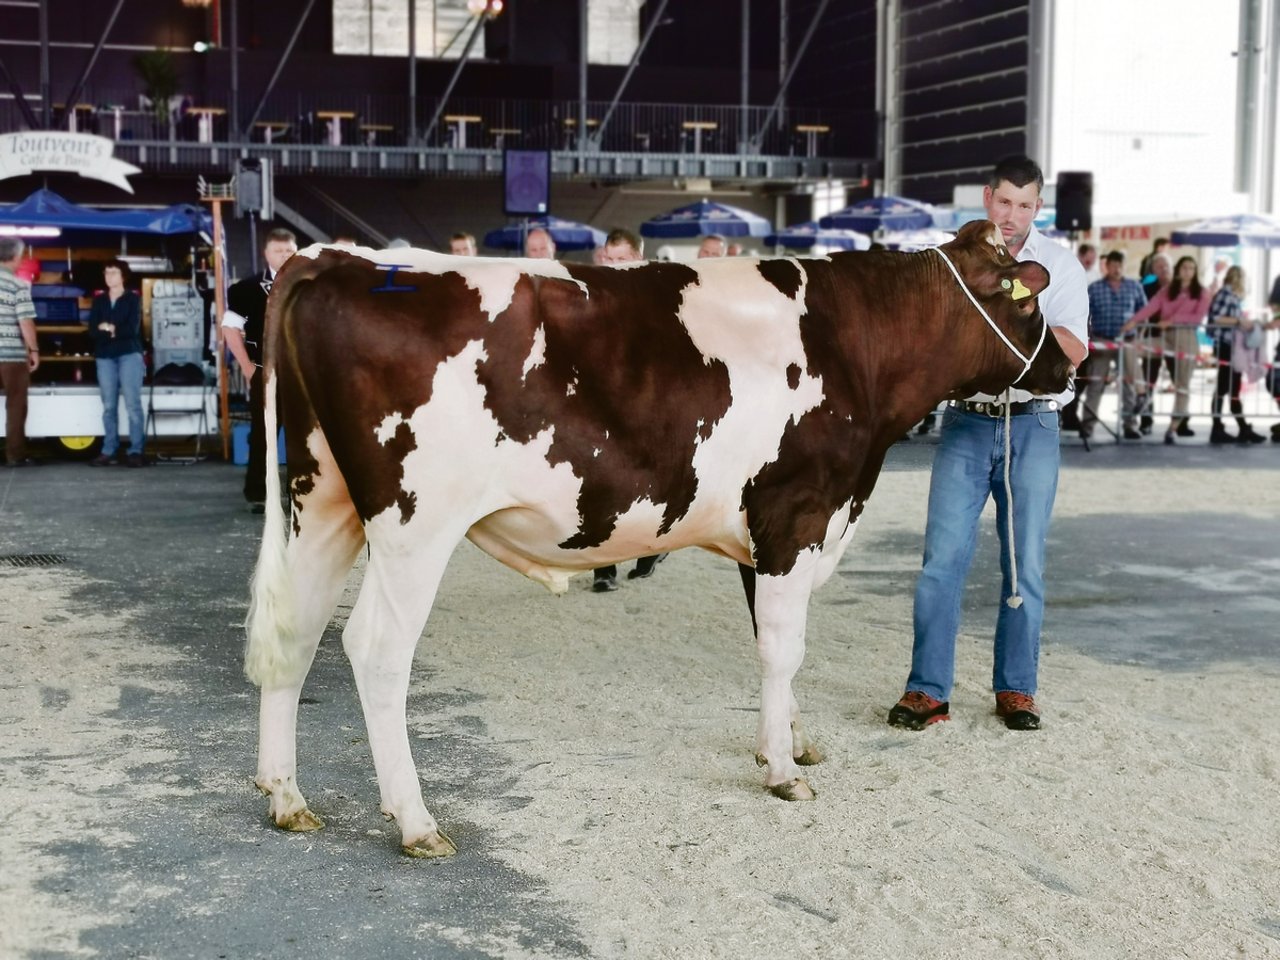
[(1075, 201), (526, 176), (254, 193)]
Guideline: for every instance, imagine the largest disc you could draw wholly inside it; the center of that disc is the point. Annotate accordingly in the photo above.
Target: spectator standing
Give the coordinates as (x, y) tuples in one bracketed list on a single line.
[(622, 246), (115, 326), (539, 245), (712, 245), (242, 327), (1226, 317), (19, 351), (970, 466), (1087, 254), (1112, 300), (1273, 375), (1149, 344), (462, 245), (1182, 306), (1159, 247)]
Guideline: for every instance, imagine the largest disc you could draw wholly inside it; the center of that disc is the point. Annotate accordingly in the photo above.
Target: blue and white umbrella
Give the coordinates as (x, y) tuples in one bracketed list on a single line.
[(881, 213), (704, 217), (568, 234), (908, 241), (1242, 230), (803, 236)]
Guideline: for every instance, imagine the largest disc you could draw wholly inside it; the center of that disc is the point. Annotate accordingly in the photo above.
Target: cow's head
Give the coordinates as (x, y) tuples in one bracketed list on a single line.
[(1008, 291)]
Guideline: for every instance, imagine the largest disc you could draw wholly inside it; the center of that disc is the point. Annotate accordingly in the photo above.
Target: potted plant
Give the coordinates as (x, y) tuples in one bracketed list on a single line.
[(159, 78)]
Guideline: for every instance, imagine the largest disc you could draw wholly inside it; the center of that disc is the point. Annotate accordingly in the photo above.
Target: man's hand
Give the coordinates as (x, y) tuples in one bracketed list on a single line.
[(33, 360), (248, 369)]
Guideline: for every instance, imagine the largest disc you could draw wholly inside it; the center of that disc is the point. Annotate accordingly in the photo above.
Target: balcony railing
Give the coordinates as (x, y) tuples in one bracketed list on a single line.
[(372, 134)]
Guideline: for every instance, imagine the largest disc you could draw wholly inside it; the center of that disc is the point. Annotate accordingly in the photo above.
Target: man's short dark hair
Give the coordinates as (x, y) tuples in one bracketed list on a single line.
[(281, 235), (1085, 248), (465, 237), (10, 247), (1115, 256), (1019, 170), (622, 235)]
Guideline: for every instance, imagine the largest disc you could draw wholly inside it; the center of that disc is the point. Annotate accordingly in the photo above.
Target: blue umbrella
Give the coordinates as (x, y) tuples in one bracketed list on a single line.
[(703, 217), (881, 213), (803, 236), (567, 234), (44, 207), (1242, 230), (909, 241)]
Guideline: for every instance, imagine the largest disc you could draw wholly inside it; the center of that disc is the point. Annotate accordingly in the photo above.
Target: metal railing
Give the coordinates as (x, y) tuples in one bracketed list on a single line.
[(368, 120)]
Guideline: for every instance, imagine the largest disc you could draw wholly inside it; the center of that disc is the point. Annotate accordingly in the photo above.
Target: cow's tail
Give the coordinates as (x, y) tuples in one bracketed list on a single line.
[(271, 656)]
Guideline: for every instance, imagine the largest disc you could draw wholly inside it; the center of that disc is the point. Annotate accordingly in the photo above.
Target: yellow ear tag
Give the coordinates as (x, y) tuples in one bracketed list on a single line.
[(1020, 292)]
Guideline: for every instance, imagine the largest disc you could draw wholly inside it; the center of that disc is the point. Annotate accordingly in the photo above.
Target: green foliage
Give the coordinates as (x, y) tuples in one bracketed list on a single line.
[(159, 76)]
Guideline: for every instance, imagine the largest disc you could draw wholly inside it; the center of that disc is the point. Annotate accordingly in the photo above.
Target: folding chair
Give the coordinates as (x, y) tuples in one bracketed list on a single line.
[(180, 375)]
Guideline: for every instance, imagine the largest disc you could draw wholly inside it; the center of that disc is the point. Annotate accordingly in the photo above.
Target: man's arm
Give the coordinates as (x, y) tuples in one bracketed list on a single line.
[(233, 336), (1071, 346), (28, 329)]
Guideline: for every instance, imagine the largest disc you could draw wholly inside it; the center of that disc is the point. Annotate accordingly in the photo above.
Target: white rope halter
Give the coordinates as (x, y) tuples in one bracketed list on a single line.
[(1044, 326), (1015, 598)]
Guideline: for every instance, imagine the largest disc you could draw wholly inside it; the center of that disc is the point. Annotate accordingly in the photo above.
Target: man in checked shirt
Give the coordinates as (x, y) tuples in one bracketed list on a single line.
[(1112, 300)]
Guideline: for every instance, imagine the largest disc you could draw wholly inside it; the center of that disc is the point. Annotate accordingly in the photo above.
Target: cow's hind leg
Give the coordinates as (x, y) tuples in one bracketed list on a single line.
[(803, 750), (318, 558), (781, 604), (380, 639)]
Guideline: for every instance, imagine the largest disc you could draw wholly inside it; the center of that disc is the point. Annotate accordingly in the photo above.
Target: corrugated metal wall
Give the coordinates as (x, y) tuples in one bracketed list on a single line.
[(959, 92)]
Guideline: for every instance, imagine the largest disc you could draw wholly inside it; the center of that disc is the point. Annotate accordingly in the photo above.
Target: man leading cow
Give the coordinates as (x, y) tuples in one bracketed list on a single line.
[(1014, 459)]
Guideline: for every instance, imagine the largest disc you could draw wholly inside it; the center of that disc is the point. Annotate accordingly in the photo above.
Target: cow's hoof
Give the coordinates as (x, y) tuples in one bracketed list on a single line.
[(810, 756), (796, 789), (300, 821), (434, 844)]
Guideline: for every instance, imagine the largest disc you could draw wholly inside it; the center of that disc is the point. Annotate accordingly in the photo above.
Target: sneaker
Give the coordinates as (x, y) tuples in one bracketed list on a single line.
[(1249, 435), (917, 710), (135, 460), (644, 566), (1169, 440), (1132, 434), (1145, 424), (1018, 710), (1184, 430), (604, 583), (1219, 435), (101, 460)]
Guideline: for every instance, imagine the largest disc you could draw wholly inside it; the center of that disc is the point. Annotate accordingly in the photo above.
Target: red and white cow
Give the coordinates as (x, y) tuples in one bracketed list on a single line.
[(566, 417)]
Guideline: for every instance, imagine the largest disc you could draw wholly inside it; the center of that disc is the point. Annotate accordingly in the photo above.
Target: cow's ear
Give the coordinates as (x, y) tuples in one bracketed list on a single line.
[(1024, 281)]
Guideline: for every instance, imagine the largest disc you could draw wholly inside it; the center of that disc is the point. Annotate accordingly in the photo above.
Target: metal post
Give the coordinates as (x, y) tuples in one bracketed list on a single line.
[(78, 87), (891, 175), (219, 308), (19, 97), (791, 72), (631, 67), (1040, 83), (582, 84), (413, 72), (234, 117), (46, 105), (743, 125), (284, 57), (457, 71), (1248, 96)]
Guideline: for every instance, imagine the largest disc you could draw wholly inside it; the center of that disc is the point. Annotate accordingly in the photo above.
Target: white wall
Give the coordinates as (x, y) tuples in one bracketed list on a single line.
[(1143, 95)]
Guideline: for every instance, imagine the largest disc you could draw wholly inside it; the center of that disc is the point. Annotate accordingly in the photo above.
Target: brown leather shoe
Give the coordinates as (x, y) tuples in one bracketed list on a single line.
[(917, 710), (1018, 710)]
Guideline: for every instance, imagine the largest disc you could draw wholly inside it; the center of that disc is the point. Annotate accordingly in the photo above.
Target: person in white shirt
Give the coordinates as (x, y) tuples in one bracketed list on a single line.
[(970, 467)]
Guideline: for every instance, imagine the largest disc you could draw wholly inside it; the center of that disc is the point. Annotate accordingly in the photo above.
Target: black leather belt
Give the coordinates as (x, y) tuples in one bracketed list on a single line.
[(997, 409)]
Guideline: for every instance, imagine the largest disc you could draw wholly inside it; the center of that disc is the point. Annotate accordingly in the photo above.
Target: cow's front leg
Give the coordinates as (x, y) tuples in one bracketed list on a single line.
[(781, 607)]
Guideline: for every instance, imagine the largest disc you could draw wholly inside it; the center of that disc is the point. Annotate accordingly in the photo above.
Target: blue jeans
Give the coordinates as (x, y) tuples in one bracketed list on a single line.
[(116, 374), (968, 467)]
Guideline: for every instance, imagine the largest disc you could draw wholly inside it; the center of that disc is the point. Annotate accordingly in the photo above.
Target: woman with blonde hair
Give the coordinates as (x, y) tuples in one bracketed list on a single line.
[(1226, 317), (1182, 305)]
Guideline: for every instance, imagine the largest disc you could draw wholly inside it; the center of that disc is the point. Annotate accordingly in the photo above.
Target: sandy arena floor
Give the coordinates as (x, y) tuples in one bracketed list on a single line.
[(592, 755)]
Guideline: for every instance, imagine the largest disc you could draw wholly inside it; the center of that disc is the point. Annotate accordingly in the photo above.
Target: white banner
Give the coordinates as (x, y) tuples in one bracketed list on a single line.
[(61, 152)]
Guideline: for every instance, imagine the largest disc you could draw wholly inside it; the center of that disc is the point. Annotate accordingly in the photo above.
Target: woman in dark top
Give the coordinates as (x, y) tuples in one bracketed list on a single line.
[(115, 324)]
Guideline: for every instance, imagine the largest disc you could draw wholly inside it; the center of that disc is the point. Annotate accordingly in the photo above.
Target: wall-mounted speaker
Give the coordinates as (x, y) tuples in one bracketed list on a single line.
[(1074, 205)]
